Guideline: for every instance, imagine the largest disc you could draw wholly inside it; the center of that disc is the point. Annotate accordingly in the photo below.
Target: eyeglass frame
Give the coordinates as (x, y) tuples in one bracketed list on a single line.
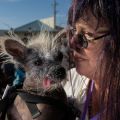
[(85, 40)]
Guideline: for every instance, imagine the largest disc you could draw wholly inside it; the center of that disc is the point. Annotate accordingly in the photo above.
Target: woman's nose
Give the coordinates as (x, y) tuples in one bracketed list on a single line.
[(74, 43)]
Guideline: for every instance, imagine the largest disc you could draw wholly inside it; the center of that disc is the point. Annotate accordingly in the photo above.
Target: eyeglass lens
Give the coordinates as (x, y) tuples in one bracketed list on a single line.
[(81, 40)]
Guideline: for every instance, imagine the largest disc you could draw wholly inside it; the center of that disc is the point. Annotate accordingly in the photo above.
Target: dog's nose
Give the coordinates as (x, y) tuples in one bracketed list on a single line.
[(57, 72)]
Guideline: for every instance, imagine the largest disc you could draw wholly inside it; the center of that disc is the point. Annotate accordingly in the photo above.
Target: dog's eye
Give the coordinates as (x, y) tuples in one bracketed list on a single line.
[(58, 56), (38, 62)]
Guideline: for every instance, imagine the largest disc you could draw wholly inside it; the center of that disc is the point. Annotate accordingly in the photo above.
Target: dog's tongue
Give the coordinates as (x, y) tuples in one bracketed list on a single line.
[(46, 82)]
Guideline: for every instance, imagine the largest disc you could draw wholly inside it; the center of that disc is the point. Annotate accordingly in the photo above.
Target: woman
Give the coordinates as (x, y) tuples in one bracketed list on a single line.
[(94, 37)]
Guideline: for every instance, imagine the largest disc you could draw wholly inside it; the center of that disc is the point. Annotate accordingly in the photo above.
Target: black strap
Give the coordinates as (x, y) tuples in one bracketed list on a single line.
[(33, 110), (3, 108), (35, 99), (31, 101), (2, 104), (6, 102)]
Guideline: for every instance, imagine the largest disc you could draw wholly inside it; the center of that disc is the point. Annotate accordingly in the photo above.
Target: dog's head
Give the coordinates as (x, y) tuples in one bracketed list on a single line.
[(44, 59)]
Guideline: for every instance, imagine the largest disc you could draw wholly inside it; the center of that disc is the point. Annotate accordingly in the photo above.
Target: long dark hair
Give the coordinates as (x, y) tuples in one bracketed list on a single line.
[(109, 10)]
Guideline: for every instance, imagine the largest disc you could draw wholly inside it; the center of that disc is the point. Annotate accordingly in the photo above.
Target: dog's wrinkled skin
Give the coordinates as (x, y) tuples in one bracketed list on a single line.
[(44, 62), (42, 58)]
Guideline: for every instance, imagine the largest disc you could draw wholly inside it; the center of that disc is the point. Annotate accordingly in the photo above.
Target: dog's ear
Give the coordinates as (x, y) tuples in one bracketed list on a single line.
[(15, 49), (60, 37)]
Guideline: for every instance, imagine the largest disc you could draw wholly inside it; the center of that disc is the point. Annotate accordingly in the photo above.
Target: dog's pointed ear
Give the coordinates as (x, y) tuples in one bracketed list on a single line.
[(60, 37), (15, 49)]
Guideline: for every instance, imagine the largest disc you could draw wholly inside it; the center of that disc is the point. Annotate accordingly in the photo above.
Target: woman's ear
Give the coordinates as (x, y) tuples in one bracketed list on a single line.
[(15, 49)]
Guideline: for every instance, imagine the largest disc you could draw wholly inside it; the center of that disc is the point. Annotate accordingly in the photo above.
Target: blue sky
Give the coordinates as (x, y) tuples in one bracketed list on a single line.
[(14, 13)]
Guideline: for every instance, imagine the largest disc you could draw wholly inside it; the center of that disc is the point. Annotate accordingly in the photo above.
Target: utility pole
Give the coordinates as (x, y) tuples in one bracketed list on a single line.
[(54, 12)]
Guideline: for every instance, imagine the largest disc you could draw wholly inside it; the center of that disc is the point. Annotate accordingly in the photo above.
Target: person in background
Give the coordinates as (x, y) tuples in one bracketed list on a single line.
[(11, 78), (7, 70), (94, 37)]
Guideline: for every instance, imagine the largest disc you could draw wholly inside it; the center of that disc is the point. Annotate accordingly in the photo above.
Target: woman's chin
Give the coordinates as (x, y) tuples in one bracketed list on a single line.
[(83, 71)]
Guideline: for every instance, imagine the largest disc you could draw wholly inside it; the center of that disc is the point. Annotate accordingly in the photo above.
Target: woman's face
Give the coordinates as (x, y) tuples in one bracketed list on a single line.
[(86, 59)]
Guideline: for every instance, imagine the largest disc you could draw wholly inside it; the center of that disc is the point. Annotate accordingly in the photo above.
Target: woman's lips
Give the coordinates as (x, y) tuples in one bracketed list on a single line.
[(79, 58)]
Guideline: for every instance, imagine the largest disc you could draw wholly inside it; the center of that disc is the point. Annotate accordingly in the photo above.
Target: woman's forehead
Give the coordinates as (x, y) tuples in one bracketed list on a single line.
[(88, 18), (90, 22)]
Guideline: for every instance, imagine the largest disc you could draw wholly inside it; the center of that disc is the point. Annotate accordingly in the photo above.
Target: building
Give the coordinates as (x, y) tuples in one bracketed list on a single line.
[(26, 31), (34, 28)]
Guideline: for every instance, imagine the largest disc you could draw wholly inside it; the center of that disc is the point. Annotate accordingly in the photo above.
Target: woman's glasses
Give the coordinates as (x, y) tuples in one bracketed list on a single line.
[(80, 39)]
